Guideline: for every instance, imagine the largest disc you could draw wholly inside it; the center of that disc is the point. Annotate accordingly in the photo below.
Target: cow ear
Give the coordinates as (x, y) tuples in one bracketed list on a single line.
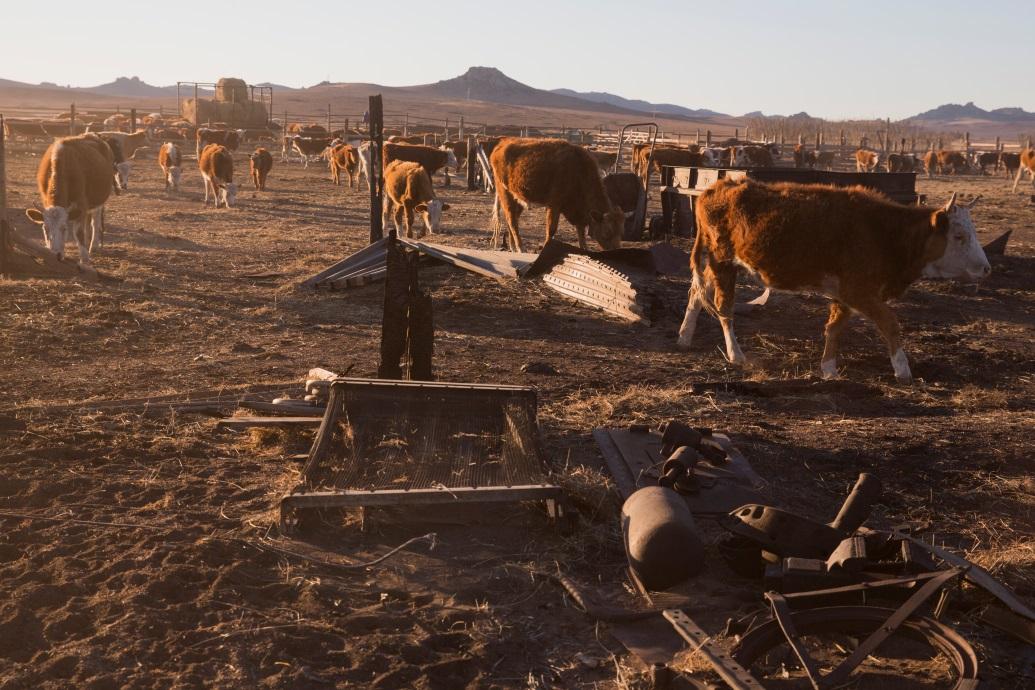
[(34, 215), (445, 207), (940, 222), (596, 216)]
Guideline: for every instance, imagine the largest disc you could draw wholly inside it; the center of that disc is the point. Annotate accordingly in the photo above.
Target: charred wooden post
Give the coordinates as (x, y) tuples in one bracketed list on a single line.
[(4, 243), (471, 158), (71, 120), (708, 138), (377, 140), (408, 326)]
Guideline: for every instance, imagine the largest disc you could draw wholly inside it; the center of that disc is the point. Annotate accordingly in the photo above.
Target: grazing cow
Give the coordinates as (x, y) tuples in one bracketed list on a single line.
[(169, 134), (432, 159), (459, 149), (804, 158), (171, 161), (952, 161), (664, 156), (866, 161), (122, 167), (129, 142), (309, 148), (230, 138), (1026, 162), (217, 169), (407, 189), (931, 162), (559, 175), (985, 159), (1010, 162), (825, 160), (853, 245), (74, 181), (753, 157), (260, 162), (345, 157), (902, 162)]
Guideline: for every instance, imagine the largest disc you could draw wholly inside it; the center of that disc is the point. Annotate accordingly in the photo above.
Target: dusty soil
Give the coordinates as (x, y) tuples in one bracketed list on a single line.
[(187, 593)]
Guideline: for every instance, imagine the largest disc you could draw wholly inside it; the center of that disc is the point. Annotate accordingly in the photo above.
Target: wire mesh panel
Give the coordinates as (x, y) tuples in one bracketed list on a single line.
[(391, 442)]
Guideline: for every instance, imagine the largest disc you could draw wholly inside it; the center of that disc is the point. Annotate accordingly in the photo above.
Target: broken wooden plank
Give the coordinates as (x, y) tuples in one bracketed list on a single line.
[(250, 422), (49, 259)]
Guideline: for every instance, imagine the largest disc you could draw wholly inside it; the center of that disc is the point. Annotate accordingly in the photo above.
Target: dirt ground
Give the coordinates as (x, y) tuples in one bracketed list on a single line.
[(188, 595)]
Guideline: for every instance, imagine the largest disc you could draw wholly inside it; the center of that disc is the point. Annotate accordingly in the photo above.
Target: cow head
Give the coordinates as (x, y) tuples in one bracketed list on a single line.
[(174, 177), (451, 159), (953, 250), (607, 228), (122, 175), (431, 212), (55, 222), (740, 157), (228, 194)]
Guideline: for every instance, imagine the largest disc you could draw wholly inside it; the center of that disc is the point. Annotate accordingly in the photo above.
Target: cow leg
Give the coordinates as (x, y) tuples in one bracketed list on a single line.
[(694, 304), (884, 318), (408, 210), (206, 182), (553, 218), (512, 214), (725, 289), (445, 171), (385, 209), (80, 238), (836, 323)]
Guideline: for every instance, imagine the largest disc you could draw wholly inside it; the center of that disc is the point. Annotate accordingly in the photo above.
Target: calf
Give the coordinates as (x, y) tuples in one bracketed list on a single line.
[(803, 158), (229, 138), (430, 158), (985, 159), (852, 245), (171, 161), (217, 169), (345, 157), (260, 162), (825, 160), (309, 148), (1026, 162), (866, 161), (753, 157), (407, 189), (952, 161), (901, 162), (561, 176), (1010, 162), (715, 156), (74, 182)]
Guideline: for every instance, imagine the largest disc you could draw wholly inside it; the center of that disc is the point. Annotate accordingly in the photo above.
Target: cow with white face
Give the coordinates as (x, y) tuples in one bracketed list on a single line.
[(964, 258), (74, 181)]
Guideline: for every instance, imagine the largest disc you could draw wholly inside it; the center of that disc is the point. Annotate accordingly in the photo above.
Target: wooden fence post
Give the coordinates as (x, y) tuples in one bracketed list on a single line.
[(197, 106), (471, 143), (460, 130), (377, 136), (71, 120), (406, 125), (708, 138), (4, 242), (966, 142), (328, 118), (698, 139), (132, 120), (998, 144)]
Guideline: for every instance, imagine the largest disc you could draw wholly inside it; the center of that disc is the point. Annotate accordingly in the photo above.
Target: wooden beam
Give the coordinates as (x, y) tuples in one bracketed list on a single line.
[(252, 422), (376, 181)]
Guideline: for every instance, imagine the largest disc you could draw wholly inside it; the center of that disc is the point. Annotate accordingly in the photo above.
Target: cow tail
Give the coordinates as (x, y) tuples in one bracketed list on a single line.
[(699, 258)]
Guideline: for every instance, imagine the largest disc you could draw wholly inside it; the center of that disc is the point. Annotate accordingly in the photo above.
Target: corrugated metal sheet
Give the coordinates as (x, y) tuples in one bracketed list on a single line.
[(599, 285)]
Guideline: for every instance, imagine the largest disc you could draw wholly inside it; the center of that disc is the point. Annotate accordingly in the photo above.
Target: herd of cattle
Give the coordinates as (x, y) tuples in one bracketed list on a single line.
[(789, 235)]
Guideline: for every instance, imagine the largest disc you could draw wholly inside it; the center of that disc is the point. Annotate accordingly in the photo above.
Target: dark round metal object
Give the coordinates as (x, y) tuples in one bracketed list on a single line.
[(766, 635)]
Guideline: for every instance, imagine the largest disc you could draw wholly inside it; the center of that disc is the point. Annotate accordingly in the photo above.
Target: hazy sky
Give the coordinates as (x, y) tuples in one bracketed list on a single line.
[(833, 59)]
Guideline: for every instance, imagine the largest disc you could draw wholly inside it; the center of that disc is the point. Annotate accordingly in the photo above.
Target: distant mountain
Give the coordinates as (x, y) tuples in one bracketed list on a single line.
[(132, 87), (490, 84), (953, 111), (639, 105)]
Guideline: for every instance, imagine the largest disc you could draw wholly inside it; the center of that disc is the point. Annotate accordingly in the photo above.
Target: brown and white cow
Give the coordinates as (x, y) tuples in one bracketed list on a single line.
[(230, 138), (1025, 162), (432, 159), (559, 175), (986, 158), (952, 161), (803, 157), (663, 156), (459, 149), (122, 167), (413, 139), (217, 170), (129, 142), (852, 245), (825, 160), (408, 189), (74, 182), (866, 160), (753, 157), (260, 163), (345, 157), (171, 161), (1010, 162), (309, 148)]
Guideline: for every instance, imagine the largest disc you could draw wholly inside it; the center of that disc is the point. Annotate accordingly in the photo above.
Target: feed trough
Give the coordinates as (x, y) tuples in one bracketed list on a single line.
[(384, 443)]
